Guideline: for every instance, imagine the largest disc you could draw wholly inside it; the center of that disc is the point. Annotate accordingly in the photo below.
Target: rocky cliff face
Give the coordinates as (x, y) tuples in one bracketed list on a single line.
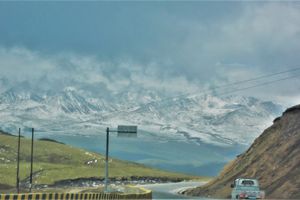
[(273, 158)]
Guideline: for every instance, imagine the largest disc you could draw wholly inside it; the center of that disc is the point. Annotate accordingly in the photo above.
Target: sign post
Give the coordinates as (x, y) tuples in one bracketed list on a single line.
[(123, 131), (18, 162), (106, 159), (31, 160)]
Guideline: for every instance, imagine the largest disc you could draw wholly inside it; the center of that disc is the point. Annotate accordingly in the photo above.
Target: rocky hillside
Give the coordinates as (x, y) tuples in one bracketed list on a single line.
[(273, 158)]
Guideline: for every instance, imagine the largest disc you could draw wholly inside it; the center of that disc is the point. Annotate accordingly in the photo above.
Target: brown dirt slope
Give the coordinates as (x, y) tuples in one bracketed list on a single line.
[(273, 158)]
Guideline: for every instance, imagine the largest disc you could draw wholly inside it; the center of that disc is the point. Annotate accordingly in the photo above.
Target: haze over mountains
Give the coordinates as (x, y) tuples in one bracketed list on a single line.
[(73, 98), (218, 127), (206, 118)]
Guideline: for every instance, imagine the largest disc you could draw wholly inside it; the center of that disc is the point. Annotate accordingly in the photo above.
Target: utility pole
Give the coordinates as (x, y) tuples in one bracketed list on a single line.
[(31, 163), (123, 131), (18, 162), (106, 159)]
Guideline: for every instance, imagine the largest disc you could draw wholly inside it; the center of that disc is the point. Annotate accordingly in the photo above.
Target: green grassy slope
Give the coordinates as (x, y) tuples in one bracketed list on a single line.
[(54, 161)]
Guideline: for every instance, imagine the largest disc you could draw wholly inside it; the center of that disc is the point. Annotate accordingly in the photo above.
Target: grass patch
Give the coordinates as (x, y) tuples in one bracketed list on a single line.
[(55, 162)]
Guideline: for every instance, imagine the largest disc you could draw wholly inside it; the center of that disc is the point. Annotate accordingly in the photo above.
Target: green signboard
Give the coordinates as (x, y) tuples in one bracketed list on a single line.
[(127, 131)]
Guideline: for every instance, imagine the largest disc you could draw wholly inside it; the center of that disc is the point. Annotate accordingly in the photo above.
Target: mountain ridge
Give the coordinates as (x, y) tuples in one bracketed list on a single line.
[(214, 124), (206, 117)]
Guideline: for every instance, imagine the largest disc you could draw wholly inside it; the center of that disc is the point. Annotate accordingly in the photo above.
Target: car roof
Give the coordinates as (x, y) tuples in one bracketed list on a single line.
[(252, 179)]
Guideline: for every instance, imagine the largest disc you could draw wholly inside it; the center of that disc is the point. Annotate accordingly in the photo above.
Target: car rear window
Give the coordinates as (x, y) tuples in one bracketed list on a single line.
[(248, 182)]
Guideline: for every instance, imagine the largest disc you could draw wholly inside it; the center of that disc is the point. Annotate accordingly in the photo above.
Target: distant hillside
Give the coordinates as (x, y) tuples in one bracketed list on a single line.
[(274, 159), (54, 162), (216, 124)]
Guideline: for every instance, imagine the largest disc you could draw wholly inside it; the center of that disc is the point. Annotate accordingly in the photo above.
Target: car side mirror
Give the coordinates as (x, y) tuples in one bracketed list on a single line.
[(232, 185)]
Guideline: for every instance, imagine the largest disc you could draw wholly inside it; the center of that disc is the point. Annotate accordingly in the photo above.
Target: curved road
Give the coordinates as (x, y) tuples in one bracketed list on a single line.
[(170, 190)]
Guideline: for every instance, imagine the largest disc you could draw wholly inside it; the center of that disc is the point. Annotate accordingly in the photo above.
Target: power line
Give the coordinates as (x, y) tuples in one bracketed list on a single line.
[(259, 85), (228, 85), (211, 89), (220, 94), (258, 78)]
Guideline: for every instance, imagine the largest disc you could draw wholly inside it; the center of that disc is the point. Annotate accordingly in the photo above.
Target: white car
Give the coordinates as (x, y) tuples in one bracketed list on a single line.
[(246, 189)]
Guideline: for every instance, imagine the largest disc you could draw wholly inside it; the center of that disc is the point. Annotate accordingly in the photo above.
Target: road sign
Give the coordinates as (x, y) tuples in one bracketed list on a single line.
[(127, 131), (123, 131)]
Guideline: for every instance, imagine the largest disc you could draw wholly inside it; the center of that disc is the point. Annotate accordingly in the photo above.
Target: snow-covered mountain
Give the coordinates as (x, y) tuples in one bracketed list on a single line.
[(206, 130), (210, 119), (200, 118)]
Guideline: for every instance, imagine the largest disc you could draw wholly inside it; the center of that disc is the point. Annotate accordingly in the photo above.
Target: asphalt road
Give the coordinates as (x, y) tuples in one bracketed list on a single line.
[(170, 190)]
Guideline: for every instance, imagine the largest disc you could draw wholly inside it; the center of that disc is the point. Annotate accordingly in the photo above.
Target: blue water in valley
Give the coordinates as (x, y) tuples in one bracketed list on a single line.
[(149, 149)]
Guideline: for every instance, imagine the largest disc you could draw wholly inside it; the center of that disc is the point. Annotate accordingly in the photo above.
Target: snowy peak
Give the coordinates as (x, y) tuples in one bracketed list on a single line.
[(12, 96), (210, 119), (69, 101), (22, 91)]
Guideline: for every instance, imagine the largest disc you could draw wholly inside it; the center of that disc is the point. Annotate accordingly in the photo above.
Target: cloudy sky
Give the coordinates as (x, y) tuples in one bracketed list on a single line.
[(181, 46)]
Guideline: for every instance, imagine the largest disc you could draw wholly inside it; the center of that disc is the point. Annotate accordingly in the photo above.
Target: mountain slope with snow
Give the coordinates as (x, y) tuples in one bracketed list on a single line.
[(172, 131), (205, 118)]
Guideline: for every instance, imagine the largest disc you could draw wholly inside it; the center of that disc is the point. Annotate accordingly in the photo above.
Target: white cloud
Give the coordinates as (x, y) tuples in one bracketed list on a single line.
[(269, 26), (265, 36), (261, 38), (20, 64)]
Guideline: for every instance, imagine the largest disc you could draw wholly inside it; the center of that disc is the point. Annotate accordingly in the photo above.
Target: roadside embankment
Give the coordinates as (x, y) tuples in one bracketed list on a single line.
[(129, 193), (273, 159)]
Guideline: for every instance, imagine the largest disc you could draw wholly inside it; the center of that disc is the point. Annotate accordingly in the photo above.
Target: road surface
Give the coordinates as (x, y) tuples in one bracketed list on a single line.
[(170, 190)]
